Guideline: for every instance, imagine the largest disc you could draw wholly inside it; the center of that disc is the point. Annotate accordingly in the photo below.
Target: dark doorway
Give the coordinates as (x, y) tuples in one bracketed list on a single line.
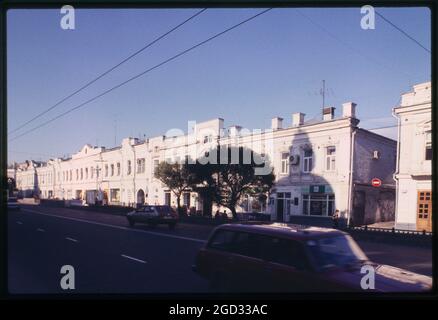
[(280, 209), (167, 198), (358, 216), (140, 197)]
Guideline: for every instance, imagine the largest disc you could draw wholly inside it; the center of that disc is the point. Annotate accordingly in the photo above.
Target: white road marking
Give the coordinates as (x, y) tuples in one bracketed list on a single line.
[(132, 258), (41, 230), (19, 222), (116, 227), (71, 239)]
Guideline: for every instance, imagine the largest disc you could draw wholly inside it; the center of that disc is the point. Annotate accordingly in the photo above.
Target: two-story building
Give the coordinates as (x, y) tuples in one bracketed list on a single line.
[(320, 166), (414, 159)]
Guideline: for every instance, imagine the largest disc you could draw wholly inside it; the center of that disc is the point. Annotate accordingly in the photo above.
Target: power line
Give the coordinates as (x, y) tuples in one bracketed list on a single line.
[(143, 73), (347, 45), (386, 127), (109, 70), (403, 32)]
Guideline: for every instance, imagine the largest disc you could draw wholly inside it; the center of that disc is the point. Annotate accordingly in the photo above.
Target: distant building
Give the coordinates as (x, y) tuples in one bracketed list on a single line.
[(27, 178), (320, 166), (414, 164)]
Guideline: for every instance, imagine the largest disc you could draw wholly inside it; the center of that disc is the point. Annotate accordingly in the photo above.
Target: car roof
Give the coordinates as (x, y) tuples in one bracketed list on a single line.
[(284, 230)]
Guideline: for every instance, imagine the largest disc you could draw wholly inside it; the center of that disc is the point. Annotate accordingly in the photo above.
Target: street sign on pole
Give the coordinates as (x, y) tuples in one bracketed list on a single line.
[(376, 182)]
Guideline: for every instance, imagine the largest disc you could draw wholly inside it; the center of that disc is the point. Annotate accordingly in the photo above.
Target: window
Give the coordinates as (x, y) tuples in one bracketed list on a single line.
[(71, 175), (97, 171), (335, 251), (86, 173), (91, 172), (330, 159), (115, 195), (285, 163), (112, 170), (308, 161), (318, 205), (82, 174), (140, 165), (77, 174), (186, 199), (428, 155), (128, 172), (248, 244), (208, 139), (222, 240), (118, 168), (286, 252), (106, 170)]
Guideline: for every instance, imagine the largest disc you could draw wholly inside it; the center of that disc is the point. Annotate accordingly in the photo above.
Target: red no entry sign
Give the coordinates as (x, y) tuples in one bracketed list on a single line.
[(376, 182)]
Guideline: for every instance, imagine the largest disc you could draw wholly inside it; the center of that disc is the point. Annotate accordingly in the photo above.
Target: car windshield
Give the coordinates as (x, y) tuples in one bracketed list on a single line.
[(339, 251)]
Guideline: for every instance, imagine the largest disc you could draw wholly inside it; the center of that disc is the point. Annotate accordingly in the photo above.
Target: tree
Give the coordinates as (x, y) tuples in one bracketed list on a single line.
[(204, 184), (176, 177), (231, 173), (238, 179)]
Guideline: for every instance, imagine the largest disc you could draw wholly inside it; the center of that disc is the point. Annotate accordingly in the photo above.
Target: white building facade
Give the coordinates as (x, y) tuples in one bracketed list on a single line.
[(320, 166), (414, 164)]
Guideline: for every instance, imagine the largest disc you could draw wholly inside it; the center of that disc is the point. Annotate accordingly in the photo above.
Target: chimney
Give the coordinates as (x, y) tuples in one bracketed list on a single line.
[(349, 110), (234, 130), (297, 119), (328, 113), (277, 123)]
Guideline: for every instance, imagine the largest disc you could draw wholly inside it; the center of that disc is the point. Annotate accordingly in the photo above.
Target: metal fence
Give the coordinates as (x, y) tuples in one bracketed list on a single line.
[(389, 230)]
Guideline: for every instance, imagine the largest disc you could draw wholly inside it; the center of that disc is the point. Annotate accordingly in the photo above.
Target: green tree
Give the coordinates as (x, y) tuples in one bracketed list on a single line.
[(176, 177), (231, 173), (204, 184)]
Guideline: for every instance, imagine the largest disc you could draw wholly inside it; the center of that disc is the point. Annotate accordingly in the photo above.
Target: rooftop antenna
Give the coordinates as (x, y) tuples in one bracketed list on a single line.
[(115, 132), (322, 92)]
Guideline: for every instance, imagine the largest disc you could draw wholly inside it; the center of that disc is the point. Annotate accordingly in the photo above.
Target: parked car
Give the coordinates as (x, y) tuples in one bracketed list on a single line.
[(13, 204), (153, 215), (280, 257)]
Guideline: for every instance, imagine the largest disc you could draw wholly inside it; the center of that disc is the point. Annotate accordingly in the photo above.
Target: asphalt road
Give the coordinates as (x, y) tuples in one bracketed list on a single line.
[(110, 257)]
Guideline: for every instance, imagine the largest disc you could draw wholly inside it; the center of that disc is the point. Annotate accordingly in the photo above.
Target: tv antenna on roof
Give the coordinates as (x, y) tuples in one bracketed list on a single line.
[(322, 92)]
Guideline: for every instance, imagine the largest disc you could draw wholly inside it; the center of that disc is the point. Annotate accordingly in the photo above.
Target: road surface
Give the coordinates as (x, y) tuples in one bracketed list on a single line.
[(110, 257)]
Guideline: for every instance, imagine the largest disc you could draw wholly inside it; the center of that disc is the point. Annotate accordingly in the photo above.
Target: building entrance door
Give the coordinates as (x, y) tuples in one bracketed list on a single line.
[(424, 211), (283, 206), (280, 209)]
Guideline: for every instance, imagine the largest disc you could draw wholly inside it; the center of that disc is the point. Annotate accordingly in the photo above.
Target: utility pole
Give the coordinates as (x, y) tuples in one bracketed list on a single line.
[(98, 175)]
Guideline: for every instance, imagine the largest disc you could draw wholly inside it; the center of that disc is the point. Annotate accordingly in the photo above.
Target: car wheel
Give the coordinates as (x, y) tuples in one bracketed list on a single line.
[(172, 226), (131, 222)]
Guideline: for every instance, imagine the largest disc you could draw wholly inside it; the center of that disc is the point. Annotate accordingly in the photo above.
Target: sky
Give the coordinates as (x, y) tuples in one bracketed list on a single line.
[(271, 66)]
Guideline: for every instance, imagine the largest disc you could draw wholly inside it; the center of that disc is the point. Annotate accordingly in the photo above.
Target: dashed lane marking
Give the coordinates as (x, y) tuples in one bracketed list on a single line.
[(133, 259), (115, 227)]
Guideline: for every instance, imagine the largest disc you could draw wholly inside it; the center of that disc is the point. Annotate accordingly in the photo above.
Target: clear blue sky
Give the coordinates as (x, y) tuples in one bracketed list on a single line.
[(271, 66)]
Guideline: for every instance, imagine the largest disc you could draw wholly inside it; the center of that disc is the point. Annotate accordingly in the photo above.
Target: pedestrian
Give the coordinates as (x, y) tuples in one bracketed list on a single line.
[(217, 214), (335, 219), (225, 215)]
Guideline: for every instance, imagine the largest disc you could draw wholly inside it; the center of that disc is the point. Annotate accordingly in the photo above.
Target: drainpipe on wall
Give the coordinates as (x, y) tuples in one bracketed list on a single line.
[(397, 165), (350, 178)]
